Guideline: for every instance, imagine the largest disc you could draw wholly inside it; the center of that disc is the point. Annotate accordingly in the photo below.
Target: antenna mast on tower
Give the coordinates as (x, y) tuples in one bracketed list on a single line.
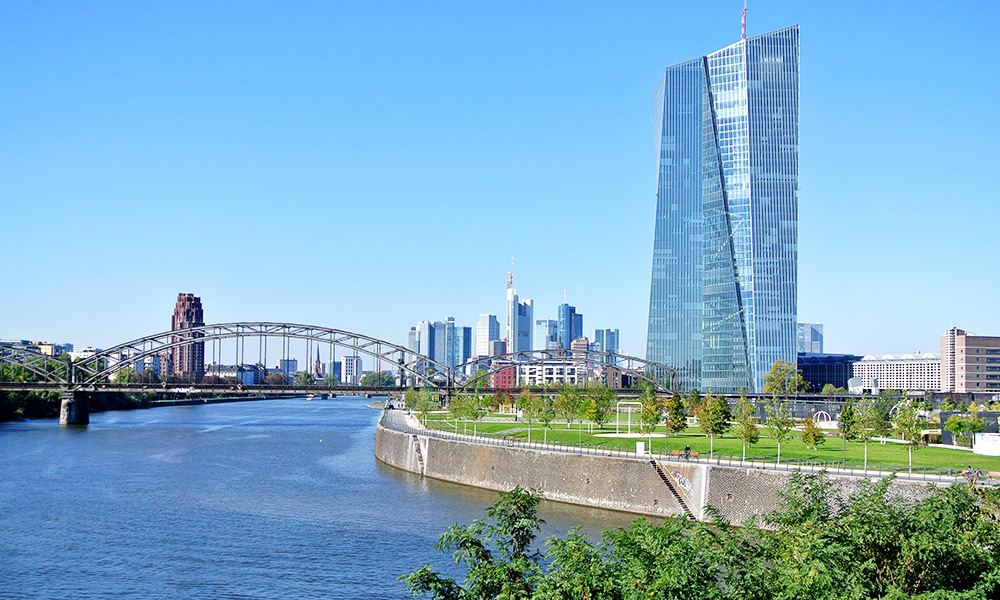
[(743, 35), (510, 275)]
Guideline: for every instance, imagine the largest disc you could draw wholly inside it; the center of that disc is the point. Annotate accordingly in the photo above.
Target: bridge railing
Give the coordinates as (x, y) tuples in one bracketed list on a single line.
[(393, 419)]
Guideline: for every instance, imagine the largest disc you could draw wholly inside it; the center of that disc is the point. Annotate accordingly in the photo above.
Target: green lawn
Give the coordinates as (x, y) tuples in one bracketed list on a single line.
[(832, 450)]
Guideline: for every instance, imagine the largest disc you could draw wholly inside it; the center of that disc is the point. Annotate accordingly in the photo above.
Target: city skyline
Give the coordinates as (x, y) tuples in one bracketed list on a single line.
[(126, 122)]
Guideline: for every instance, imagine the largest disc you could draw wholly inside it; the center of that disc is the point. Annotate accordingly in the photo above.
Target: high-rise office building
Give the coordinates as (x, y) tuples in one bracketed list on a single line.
[(444, 340), (487, 330), (460, 346), (520, 317), (809, 337), (570, 325), (547, 334), (605, 340), (722, 306), (188, 360)]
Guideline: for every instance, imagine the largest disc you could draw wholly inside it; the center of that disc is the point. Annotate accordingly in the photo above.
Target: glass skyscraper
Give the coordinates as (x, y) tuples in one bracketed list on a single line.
[(722, 305)]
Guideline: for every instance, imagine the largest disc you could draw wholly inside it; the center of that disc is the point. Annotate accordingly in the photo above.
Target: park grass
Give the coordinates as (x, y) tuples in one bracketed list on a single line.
[(832, 450)]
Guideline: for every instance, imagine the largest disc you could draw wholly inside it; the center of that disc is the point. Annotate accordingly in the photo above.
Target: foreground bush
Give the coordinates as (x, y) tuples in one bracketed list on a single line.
[(872, 545)]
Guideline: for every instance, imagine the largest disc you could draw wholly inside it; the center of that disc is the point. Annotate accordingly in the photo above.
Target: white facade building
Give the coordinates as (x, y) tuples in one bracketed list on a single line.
[(906, 372), (487, 330), (350, 370)]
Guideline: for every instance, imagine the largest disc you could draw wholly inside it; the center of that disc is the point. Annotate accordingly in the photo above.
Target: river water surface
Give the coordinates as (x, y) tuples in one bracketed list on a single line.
[(267, 499)]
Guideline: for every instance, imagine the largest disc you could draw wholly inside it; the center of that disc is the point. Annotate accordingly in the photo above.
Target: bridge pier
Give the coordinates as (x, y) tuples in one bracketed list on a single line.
[(74, 409)]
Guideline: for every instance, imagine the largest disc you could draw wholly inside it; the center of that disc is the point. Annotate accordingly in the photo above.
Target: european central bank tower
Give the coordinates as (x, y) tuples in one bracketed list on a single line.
[(722, 302)]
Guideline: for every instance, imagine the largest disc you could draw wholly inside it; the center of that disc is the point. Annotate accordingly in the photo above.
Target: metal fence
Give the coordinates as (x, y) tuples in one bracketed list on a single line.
[(395, 420)]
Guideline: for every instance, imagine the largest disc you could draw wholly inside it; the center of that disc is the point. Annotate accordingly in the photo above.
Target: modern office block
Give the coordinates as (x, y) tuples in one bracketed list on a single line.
[(969, 363), (809, 337), (722, 305), (606, 340), (546, 334), (487, 330), (821, 369)]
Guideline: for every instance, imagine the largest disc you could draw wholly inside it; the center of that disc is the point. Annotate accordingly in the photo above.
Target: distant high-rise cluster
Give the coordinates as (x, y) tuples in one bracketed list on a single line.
[(722, 306), (187, 360), (442, 341)]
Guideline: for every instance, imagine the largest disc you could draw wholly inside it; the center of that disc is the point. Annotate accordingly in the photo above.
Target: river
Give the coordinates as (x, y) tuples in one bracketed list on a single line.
[(266, 499)]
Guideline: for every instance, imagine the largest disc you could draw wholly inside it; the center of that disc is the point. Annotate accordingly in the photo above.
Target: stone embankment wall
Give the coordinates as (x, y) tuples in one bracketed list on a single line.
[(622, 484)]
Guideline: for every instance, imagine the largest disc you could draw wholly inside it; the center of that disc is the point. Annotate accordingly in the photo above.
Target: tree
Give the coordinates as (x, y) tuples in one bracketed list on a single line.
[(713, 417), (410, 398), (828, 390), (377, 379), (779, 422), (960, 425), (908, 425), (424, 404), (692, 401), (784, 379), (544, 410), (746, 423), (278, 378), (866, 425), (460, 408), (526, 405), (304, 378), (567, 403), (600, 401), (676, 420), (123, 375), (497, 555), (650, 414), (812, 435), (947, 404), (848, 424), (880, 415)]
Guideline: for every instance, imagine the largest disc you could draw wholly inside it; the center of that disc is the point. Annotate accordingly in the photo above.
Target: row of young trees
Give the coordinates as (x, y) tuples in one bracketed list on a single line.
[(817, 545)]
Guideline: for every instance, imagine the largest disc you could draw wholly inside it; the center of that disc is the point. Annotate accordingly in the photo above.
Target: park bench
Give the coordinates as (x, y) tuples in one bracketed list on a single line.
[(681, 453)]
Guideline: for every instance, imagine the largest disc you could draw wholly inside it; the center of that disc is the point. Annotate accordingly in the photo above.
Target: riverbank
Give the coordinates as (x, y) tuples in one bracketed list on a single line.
[(15, 406), (615, 480)]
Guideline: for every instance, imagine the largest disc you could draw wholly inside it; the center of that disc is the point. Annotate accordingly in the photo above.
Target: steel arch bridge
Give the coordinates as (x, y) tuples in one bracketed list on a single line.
[(384, 352), (419, 368), (639, 368), (46, 368)]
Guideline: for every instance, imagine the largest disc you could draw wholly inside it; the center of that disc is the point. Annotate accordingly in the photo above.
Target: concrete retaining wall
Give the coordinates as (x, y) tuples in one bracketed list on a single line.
[(622, 484)]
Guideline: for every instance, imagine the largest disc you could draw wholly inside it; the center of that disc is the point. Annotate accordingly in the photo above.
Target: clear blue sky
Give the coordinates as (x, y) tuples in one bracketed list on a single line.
[(366, 165)]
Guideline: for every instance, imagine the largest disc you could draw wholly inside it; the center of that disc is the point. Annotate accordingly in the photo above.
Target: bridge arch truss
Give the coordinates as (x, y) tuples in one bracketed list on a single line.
[(48, 369), (107, 362)]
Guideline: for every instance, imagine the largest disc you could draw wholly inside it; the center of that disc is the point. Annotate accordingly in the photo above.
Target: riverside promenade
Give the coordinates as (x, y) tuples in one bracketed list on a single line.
[(616, 479)]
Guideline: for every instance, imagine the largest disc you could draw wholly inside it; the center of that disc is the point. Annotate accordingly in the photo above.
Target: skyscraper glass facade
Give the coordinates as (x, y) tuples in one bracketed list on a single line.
[(723, 290)]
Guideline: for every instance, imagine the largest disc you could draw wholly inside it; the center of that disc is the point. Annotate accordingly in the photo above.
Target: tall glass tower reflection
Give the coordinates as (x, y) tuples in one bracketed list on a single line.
[(722, 305)]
